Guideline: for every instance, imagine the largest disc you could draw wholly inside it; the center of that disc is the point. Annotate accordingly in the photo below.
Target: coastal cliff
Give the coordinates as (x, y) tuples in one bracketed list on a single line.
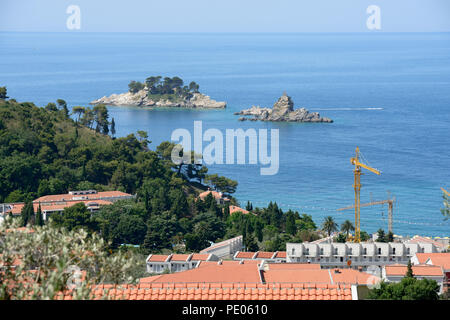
[(283, 110)]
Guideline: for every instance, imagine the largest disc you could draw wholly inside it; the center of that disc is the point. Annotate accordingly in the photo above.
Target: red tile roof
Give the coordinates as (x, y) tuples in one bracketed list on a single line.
[(418, 270), (59, 206), (158, 258), (215, 273), (290, 265), (218, 291), (199, 257), (215, 194), (264, 255), (281, 254), (180, 257), (245, 255), (94, 196), (305, 275), (234, 209), (437, 259)]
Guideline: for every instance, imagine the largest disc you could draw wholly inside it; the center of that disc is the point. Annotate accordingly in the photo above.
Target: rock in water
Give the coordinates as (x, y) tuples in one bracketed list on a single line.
[(283, 110)]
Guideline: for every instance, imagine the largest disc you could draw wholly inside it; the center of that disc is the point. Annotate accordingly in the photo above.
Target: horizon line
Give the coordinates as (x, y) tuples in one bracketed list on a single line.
[(232, 32)]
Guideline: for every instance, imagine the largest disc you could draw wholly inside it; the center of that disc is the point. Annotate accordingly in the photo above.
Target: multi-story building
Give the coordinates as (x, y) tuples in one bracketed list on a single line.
[(355, 255), (270, 257), (225, 249), (52, 204), (158, 263)]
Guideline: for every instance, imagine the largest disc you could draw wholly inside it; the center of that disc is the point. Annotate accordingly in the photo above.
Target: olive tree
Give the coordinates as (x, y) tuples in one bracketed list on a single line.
[(42, 262)]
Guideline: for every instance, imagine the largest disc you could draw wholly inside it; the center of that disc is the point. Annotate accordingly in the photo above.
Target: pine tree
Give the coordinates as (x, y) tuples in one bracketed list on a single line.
[(251, 244)]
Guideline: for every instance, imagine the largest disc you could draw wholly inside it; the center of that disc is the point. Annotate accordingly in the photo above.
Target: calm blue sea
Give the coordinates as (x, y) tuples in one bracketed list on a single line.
[(340, 75)]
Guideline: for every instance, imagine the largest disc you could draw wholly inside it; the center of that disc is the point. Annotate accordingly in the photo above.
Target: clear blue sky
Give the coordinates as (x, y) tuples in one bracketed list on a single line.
[(225, 15)]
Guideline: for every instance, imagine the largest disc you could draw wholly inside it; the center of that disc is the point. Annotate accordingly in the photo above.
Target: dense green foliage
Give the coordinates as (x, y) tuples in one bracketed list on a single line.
[(409, 288), (383, 237), (43, 151), (3, 93), (168, 88)]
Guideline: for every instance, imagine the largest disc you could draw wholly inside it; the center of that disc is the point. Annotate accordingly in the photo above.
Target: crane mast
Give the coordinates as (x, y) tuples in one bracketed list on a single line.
[(357, 187)]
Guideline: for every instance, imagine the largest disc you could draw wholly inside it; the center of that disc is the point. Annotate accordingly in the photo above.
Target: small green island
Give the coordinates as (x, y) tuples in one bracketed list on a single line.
[(157, 91)]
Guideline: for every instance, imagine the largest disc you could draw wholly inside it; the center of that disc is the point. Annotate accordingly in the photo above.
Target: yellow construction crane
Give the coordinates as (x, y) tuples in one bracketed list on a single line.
[(390, 203), (357, 186)]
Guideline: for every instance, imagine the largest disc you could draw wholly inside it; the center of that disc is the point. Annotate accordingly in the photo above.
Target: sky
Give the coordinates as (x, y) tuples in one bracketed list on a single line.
[(225, 15)]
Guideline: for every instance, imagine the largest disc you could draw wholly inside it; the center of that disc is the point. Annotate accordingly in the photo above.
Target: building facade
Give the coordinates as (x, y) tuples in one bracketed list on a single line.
[(355, 255)]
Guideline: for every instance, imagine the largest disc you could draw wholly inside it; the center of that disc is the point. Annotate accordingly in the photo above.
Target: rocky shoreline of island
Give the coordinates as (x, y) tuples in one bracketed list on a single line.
[(282, 111), (162, 93)]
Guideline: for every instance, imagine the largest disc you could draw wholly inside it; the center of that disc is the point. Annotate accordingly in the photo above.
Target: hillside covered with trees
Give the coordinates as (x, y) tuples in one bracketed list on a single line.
[(44, 151)]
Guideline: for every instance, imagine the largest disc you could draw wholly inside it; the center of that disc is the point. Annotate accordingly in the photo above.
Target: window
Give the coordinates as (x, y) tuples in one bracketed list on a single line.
[(307, 251), (293, 251), (408, 251), (335, 251), (393, 250), (379, 250), (365, 251), (321, 251), (350, 250)]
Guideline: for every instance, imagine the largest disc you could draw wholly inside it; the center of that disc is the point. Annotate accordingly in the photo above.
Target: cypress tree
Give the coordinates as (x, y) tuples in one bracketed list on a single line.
[(39, 217), (113, 127), (409, 272)]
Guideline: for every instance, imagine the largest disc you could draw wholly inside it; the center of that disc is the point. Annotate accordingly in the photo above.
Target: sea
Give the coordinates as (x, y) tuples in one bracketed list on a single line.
[(388, 94)]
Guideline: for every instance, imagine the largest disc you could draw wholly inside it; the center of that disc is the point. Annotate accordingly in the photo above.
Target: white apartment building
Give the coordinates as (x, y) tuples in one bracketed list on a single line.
[(157, 263), (226, 248), (355, 255)]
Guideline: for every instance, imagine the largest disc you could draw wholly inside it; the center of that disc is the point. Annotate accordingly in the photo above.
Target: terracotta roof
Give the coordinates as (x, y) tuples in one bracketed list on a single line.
[(227, 262), (437, 259), (215, 194), (290, 265), (352, 276), (264, 255), (66, 196), (217, 291), (281, 254), (199, 257), (215, 273), (234, 209), (245, 255), (324, 276), (158, 258), (59, 206), (180, 257), (418, 270), (296, 275)]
